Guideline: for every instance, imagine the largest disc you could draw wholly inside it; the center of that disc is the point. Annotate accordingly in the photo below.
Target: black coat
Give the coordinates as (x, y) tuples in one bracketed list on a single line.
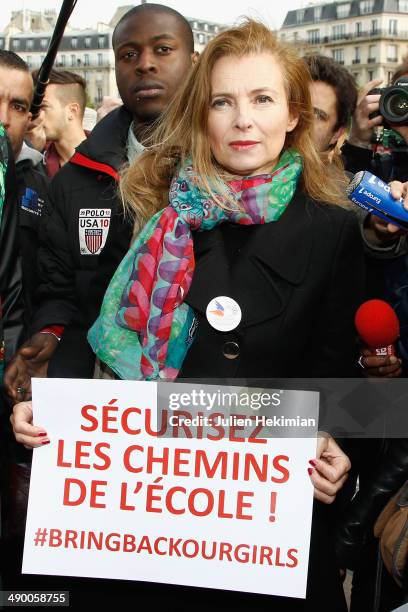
[(73, 281), (298, 281), (356, 526), (11, 286)]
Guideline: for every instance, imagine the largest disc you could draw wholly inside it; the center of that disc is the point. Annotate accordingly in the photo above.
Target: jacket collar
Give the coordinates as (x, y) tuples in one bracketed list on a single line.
[(28, 153), (285, 246), (273, 241), (106, 144)]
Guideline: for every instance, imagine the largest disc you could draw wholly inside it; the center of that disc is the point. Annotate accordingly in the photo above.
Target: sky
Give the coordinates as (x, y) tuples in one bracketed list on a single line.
[(88, 12)]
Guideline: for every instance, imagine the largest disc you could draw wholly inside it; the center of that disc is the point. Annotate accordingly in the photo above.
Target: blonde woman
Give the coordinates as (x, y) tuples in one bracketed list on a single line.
[(249, 226)]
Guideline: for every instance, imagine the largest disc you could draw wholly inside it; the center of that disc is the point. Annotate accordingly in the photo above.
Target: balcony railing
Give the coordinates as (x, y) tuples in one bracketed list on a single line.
[(82, 64), (369, 34), (356, 61), (371, 60)]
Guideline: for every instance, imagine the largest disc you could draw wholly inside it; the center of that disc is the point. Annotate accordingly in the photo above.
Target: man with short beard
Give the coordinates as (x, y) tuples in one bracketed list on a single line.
[(62, 113)]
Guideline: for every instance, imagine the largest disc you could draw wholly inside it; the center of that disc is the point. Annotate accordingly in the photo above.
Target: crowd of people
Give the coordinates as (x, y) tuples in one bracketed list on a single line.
[(222, 174)]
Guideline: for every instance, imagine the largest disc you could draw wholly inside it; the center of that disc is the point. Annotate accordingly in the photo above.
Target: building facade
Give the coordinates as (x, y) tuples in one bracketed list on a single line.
[(369, 37), (86, 52)]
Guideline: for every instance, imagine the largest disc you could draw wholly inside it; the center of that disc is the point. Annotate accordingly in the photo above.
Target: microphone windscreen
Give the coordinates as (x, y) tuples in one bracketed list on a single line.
[(377, 324)]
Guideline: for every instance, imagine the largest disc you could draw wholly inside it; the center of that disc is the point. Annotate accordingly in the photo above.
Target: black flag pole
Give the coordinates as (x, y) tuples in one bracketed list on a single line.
[(46, 67)]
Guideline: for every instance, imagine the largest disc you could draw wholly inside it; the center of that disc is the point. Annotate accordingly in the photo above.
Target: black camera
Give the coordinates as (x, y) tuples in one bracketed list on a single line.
[(393, 103)]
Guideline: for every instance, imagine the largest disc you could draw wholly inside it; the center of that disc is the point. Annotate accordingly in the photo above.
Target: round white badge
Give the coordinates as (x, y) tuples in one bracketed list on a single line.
[(223, 313)]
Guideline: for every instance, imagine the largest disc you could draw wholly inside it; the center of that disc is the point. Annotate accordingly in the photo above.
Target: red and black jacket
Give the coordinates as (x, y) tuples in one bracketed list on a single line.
[(76, 262)]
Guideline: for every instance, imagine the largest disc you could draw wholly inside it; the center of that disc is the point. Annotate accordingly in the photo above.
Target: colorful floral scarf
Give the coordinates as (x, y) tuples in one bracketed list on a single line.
[(145, 328)]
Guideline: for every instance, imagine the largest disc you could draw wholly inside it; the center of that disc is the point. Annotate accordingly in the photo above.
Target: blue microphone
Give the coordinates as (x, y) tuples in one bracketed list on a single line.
[(373, 195)]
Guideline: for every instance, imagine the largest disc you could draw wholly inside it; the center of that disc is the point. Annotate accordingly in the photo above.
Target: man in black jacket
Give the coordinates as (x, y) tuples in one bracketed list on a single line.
[(16, 93), (84, 233), (11, 297)]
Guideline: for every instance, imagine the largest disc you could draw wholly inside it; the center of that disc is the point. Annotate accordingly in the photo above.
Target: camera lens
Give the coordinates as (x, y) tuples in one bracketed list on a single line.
[(396, 105)]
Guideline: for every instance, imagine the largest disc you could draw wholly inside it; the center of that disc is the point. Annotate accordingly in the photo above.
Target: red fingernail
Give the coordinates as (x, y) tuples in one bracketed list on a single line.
[(313, 462), (45, 442), (42, 434), (310, 471)]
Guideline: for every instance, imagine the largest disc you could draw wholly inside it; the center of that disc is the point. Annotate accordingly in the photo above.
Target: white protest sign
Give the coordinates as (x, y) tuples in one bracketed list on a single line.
[(112, 498)]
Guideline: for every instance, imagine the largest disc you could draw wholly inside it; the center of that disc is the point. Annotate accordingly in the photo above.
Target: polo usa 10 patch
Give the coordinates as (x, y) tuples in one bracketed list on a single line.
[(93, 225)]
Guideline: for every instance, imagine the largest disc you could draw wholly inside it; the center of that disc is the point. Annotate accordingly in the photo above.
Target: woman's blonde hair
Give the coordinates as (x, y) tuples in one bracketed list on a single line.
[(182, 130)]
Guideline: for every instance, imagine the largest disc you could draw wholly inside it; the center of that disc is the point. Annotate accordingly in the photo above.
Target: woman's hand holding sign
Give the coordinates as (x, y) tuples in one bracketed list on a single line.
[(24, 431), (330, 469)]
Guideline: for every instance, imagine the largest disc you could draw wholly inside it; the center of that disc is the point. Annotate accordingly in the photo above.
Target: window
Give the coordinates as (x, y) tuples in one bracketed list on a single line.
[(300, 15), (295, 36), (30, 43), (357, 55), (99, 94), (1, 43), (44, 43), (370, 74), (88, 42), (100, 59), (86, 59), (374, 26), (28, 60), (313, 37), (16, 44), (62, 60), (392, 53), (392, 26), (359, 28), (339, 31), (390, 76), (338, 55), (317, 13), (372, 54), (42, 58), (73, 60), (74, 43), (343, 10), (101, 42), (206, 27), (366, 6), (201, 39), (403, 6)]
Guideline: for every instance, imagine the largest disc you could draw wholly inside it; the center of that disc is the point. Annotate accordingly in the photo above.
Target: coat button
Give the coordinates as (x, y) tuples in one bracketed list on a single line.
[(230, 350)]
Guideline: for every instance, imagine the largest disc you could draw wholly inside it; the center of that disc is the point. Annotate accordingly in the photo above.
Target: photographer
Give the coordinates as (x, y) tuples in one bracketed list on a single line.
[(386, 157)]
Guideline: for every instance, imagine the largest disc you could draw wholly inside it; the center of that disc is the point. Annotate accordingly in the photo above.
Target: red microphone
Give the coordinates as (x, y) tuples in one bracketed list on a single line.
[(378, 326)]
